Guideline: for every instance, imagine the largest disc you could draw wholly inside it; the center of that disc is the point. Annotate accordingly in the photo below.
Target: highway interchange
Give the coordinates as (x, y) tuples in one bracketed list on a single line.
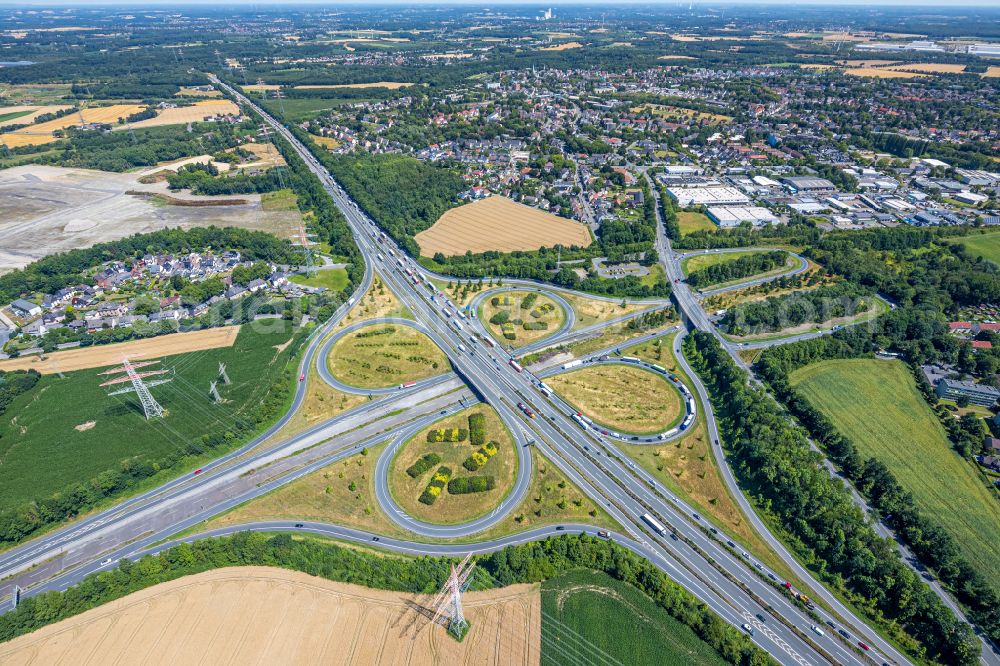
[(708, 563)]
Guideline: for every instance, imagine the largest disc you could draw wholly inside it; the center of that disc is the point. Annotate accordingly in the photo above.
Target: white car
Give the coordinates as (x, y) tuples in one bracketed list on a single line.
[(816, 630), (106, 562), (747, 628)]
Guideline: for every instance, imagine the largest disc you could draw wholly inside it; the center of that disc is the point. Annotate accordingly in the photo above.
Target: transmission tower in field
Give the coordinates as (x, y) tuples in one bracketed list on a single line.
[(223, 375), (150, 407), (448, 604)]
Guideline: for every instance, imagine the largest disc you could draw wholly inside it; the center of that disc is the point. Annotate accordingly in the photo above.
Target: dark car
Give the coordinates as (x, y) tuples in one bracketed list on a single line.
[(374, 538), (843, 633), (761, 617), (298, 524), (560, 528)]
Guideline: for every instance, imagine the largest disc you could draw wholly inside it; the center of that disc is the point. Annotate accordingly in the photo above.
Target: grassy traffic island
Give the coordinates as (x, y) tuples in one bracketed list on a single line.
[(720, 269), (627, 399), (519, 318), (458, 469), (385, 355)]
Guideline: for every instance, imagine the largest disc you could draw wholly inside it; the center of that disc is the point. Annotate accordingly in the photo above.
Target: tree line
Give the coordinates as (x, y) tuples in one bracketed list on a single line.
[(776, 467)]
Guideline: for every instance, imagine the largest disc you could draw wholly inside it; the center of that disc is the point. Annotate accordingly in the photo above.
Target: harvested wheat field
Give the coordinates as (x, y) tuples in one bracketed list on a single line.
[(992, 72), (99, 356), (31, 112), (497, 223), (562, 47), (41, 133), (675, 57), (263, 615), (195, 92), (190, 114), (866, 63), (930, 68), (391, 85), (871, 72)]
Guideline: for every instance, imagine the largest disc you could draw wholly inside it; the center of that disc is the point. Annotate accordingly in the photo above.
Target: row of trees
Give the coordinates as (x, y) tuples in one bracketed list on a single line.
[(925, 537), (526, 563), (776, 466)]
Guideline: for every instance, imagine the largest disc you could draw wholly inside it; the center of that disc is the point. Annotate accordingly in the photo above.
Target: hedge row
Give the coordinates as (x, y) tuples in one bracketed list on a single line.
[(528, 301), (480, 457), (382, 331), (501, 300), (438, 435), (437, 484), (471, 484), (535, 325), (477, 429), (425, 463)]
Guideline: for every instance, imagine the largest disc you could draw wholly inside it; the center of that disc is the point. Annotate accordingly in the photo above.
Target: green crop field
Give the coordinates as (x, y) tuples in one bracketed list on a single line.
[(986, 246), (68, 430), (334, 279), (876, 405), (588, 613)]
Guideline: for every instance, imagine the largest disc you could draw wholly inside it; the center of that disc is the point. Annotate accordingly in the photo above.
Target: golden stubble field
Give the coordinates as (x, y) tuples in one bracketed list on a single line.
[(262, 615), (190, 114), (497, 223), (41, 133), (99, 356)]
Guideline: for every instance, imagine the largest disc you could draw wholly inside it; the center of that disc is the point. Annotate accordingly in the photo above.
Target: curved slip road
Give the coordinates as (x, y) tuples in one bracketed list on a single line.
[(752, 282)]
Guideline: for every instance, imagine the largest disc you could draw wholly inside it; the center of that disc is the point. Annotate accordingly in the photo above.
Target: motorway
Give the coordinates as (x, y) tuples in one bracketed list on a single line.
[(709, 564)]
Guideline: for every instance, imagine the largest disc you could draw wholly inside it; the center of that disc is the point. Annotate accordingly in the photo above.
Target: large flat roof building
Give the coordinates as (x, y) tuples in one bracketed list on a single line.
[(733, 216), (808, 184), (707, 196)]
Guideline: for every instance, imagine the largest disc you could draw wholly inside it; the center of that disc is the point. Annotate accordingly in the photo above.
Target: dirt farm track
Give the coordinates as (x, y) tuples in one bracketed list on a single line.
[(99, 356), (261, 615), (497, 223)]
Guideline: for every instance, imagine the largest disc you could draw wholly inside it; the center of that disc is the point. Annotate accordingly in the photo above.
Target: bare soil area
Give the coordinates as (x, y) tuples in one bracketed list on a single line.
[(265, 615), (46, 209), (99, 356), (497, 223)]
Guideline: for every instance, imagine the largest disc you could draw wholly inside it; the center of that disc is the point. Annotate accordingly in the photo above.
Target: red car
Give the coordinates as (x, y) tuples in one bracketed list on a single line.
[(302, 377), (197, 471), (863, 646)]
